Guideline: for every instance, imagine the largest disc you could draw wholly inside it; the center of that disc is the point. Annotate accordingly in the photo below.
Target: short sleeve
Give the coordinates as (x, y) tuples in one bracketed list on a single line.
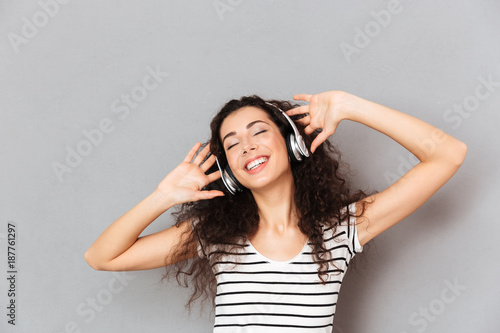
[(201, 252), (357, 245), (352, 230)]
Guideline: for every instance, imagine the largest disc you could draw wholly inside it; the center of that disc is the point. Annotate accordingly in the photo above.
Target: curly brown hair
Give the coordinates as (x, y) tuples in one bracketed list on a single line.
[(321, 192)]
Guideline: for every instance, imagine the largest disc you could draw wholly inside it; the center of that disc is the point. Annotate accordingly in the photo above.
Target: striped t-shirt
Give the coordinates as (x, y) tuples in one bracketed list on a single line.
[(257, 294)]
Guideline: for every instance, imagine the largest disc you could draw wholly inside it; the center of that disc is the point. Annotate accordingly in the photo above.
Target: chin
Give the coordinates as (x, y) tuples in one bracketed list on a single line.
[(267, 183)]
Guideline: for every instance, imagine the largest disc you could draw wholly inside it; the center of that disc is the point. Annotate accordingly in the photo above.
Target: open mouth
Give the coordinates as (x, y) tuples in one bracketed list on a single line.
[(252, 165)]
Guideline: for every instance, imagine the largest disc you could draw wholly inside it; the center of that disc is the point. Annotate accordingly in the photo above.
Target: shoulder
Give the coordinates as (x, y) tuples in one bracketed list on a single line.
[(344, 231)]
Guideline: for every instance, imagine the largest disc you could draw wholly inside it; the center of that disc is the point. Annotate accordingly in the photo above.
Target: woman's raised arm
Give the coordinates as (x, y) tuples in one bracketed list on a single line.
[(439, 153), (119, 247)]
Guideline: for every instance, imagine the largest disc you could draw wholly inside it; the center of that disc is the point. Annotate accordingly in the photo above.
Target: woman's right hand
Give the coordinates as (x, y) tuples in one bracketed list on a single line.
[(186, 181)]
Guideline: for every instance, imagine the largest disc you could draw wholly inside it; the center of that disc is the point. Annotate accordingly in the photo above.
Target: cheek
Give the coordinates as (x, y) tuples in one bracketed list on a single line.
[(279, 145), (232, 160), (274, 141), (280, 153)]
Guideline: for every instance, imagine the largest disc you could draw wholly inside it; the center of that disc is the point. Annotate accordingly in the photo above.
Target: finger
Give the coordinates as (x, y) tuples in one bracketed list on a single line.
[(314, 109), (191, 153), (298, 110), (208, 163), (322, 137), (309, 129), (201, 155), (303, 97), (213, 176), (303, 121), (316, 122)]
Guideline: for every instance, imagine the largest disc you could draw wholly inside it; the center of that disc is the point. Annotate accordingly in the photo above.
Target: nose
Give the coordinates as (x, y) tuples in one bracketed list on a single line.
[(248, 147)]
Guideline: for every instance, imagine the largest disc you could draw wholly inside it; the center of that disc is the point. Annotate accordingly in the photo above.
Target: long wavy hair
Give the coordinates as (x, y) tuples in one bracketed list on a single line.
[(321, 192)]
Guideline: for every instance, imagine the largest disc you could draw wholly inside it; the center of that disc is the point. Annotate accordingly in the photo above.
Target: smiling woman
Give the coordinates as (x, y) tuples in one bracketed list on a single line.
[(254, 148), (270, 244)]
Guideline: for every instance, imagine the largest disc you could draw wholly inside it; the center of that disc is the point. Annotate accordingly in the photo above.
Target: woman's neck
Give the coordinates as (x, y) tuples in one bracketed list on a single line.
[(277, 210)]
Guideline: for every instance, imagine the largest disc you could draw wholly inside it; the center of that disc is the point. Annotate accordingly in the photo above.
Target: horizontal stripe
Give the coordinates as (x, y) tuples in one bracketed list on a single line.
[(275, 314), (239, 263), (271, 325), (274, 272), (334, 236), (275, 282), (337, 234), (338, 247), (315, 263), (277, 293), (254, 291), (273, 303), (232, 253)]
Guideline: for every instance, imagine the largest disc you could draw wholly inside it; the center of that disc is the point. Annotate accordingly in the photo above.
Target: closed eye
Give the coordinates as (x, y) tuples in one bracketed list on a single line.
[(259, 132)]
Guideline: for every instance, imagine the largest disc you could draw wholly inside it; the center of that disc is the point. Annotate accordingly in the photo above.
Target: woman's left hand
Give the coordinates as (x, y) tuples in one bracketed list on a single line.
[(325, 111)]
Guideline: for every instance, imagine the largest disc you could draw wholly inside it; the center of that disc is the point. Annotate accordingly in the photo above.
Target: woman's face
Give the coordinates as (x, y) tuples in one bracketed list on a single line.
[(255, 149)]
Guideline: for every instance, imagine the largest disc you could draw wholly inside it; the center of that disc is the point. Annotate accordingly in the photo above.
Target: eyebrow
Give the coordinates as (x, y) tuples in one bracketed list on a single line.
[(248, 126)]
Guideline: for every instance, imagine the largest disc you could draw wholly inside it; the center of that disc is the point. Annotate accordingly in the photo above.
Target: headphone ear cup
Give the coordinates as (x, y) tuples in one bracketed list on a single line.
[(291, 147), (232, 184)]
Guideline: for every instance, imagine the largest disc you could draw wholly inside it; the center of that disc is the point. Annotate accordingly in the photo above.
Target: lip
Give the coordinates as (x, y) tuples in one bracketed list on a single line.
[(257, 169)]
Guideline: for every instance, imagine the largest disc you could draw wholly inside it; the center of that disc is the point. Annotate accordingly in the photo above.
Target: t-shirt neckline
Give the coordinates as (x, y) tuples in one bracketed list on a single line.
[(279, 262)]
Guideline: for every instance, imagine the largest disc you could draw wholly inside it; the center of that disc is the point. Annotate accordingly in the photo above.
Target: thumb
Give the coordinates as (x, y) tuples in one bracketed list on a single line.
[(205, 195)]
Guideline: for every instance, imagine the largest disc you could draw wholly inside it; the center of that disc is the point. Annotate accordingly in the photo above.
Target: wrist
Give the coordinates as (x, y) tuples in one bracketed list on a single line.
[(352, 107), (162, 200)]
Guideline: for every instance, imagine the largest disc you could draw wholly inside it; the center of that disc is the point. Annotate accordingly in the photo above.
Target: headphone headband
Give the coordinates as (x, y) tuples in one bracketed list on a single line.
[(300, 144)]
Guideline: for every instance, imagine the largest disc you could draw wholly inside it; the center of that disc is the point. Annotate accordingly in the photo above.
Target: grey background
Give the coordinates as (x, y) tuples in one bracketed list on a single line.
[(69, 75)]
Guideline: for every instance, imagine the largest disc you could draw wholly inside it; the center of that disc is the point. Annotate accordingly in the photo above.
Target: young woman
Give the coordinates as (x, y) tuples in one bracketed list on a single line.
[(271, 241)]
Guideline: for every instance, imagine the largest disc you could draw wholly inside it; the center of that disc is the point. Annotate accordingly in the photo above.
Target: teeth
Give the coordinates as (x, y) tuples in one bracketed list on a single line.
[(256, 163)]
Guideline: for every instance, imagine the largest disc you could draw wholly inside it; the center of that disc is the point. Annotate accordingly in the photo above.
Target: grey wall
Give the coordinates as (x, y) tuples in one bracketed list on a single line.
[(75, 156)]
